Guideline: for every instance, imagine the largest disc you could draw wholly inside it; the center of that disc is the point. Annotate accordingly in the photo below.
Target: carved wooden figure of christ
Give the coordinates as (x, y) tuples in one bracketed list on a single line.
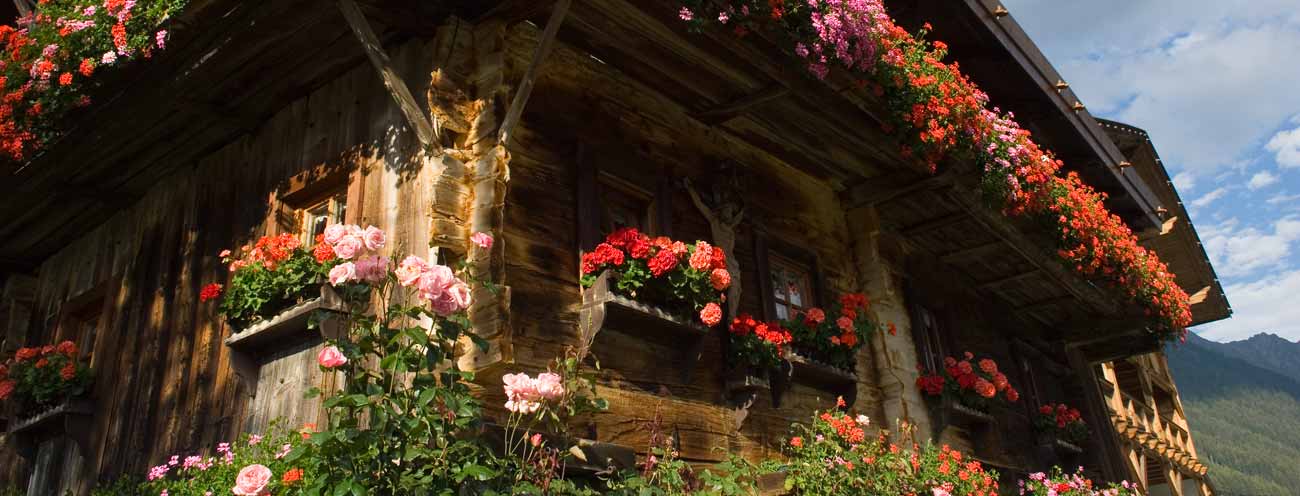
[(723, 223)]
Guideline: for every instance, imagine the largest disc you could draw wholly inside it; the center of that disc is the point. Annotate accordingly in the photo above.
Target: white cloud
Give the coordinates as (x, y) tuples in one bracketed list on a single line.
[(1238, 252), (1203, 77), (1209, 198), (1284, 199), (1184, 182), (1263, 305), (1286, 145), (1261, 179)]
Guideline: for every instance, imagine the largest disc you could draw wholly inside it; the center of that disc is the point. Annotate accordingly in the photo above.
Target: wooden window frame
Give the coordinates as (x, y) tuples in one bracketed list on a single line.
[(931, 329), (308, 189), (765, 250), (89, 305), (597, 173)]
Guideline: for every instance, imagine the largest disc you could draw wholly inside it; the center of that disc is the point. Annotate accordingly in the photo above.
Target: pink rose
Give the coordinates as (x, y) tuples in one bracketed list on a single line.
[(460, 294), (434, 281), (330, 357), (409, 271), (252, 481), (342, 273), (335, 232), (521, 393), (482, 239), (549, 385), (537, 439), (444, 304), (372, 269), (349, 246), (374, 238)]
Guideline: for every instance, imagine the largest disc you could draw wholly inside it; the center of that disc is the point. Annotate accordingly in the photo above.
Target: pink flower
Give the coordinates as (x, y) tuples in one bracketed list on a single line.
[(335, 232), (482, 239), (537, 439), (161, 38), (444, 304), (252, 481), (521, 393), (702, 259), (460, 294), (342, 273), (711, 314), (330, 357), (940, 492), (374, 238), (550, 385), (372, 269), (720, 278), (863, 420), (816, 315), (844, 323), (348, 246), (224, 253), (108, 58), (685, 14), (409, 271)]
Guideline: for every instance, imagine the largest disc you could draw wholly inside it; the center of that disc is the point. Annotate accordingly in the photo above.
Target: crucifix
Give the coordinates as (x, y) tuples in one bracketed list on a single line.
[(724, 217)]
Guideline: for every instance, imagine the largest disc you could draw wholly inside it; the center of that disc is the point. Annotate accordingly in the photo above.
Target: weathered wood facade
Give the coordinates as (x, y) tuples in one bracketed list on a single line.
[(276, 106)]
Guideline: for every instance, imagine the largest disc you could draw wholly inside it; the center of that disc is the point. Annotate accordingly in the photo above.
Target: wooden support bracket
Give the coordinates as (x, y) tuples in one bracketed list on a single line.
[(396, 86), (530, 76)]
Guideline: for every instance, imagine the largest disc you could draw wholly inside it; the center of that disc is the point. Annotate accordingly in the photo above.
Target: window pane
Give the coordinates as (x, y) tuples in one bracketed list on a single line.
[(779, 284), (796, 293), (782, 312)]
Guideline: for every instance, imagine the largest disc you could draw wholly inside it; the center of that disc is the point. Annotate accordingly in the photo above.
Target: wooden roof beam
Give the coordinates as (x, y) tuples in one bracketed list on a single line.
[(933, 224), (729, 110), (396, 86), (525, 89), (1041, 304), (879, 192), (972, 252), (1009, 279)]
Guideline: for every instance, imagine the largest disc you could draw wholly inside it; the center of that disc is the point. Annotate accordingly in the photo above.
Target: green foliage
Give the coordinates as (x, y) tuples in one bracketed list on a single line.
[(44, 376), (823, 336), (1244, 418), (262, 286)]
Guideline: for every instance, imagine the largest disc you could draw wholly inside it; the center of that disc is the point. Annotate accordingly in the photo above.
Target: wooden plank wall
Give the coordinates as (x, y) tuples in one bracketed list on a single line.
[(578, 98), (164, 379)]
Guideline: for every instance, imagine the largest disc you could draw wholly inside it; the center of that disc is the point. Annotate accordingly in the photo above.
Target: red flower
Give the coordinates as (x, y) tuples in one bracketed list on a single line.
[(1012, 395), (6, 388), (988, 366), (291, 476), (711, 314), (65, 79), (68, 372), (67, 348), (24, 354), (663, 262), (119, 36), (985, 388), (796, 442), (40, 364), (210, 292), (322, 252), (720, 278), (893, 331), (87, 67)]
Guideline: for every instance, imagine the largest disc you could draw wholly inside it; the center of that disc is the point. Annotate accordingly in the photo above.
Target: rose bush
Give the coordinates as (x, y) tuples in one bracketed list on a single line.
[(256, 465), (689, 279)]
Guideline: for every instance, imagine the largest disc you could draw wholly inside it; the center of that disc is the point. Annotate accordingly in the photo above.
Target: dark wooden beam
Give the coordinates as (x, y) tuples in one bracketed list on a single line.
[(932, 224), (1046, 303), (972, 252), (512, 11), (729, 110), (396, 86), (525, 89), (1009, 279), (879, 192)]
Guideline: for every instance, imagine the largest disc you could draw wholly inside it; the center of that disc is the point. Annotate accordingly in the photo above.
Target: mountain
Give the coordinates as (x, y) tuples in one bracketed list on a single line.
[(1242, 400)]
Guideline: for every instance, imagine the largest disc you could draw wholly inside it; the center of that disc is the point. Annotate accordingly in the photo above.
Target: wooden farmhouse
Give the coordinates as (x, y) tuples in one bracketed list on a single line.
[(550, 124)]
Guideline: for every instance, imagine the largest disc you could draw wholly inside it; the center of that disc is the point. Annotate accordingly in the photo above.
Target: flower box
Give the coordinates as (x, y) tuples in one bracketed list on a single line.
[(583, 457), (808, 371), (948, 411), (603, 309), (70, 418), (286, 327), (1057, 446)]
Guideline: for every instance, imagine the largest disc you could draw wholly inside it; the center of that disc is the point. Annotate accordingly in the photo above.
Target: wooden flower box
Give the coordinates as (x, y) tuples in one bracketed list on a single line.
[(603, 309), (808, 371), (950, 412), (288, 326), (69, 418), (582, 457)]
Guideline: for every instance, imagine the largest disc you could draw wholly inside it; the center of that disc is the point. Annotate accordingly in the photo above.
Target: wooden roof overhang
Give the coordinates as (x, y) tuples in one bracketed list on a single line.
[(754, 91), (1176, 240), (233, 64)]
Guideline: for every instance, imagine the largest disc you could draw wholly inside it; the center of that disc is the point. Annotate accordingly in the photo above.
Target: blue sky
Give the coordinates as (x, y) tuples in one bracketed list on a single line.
[(1217, 86)]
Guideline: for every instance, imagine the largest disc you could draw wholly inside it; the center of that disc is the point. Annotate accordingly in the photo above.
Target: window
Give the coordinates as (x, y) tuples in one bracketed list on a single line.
[(616, 191), (623, 204), (928, 333), (791, 286), (331, 210)]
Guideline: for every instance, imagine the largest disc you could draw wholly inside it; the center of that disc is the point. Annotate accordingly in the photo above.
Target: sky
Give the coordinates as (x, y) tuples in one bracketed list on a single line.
[(1216, 84)]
